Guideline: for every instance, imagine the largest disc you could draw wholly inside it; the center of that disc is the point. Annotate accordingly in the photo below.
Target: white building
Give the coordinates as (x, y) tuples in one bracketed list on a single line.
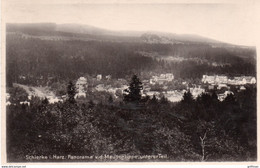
[(100, 87), (242, 88), (81, 87), (25, 103), (220, 79), (250, 80), (216, 79), (108, 77), (222, 96), (99, 77), (53, 99), (168, 77), (196, 92), (208, 79), (174, 96), (240, 80)]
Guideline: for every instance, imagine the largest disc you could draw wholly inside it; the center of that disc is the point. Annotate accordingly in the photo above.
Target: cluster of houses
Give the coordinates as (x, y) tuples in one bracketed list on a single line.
[(196, 91), (82, 85), (51, 100), (172, 96), (221, 79), (175, 95), (99, 77), (113, 90)]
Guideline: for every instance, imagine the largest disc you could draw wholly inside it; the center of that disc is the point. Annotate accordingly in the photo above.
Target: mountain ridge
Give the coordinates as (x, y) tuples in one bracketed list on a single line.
[(145, 36)]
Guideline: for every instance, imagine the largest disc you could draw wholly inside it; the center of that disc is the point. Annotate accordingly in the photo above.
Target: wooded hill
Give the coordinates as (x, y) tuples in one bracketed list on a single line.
[(41, 51)]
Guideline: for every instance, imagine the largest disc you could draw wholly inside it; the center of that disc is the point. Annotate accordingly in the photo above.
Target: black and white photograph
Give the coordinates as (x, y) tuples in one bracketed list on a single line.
[(129, 81)]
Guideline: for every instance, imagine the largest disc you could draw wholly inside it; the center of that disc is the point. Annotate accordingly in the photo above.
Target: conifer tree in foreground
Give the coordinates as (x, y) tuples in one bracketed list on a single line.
[(187, 97), (133, 93), (71, 91)]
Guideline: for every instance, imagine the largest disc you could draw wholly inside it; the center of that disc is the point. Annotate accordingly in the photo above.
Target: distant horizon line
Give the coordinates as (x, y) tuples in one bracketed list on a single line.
[(133, 31)]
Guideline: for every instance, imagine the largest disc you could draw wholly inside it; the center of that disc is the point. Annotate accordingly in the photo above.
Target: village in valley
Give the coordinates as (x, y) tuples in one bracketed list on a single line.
[(162, 85)]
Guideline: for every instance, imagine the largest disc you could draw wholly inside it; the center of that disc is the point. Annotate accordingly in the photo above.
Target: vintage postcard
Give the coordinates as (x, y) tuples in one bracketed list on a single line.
[(87, 82)]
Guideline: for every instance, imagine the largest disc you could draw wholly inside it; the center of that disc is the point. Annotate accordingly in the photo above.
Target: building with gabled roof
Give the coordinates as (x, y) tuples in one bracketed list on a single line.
[(81, 87)]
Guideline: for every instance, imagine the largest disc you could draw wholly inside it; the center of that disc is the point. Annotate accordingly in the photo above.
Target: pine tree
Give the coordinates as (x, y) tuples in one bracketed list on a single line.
[(133, 93), (154, 100), (45, 101), (214, 96), (71, 91), (187, 98)]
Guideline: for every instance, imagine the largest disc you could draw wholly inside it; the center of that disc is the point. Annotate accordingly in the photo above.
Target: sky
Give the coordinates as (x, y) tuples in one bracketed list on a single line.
[(228, 21)]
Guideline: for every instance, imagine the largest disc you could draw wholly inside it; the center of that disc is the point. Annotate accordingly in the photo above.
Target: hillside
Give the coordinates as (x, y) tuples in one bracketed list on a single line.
[(86, 31), (45, 53)]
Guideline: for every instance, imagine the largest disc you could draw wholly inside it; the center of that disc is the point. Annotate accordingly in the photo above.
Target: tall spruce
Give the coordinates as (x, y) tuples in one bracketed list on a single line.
[(133, 93), (187, 98), (71, 91)]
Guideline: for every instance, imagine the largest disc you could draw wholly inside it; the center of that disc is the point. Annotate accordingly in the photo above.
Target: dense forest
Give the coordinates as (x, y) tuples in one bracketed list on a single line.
[(202, 129), (42, 62)]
